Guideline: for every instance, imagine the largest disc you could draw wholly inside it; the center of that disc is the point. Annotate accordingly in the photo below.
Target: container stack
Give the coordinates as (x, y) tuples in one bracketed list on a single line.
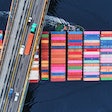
[(58, 56), (45, 56), (1, 39), (1, 42), (74, 55), (106, 55), (91, 56), (34, 73)]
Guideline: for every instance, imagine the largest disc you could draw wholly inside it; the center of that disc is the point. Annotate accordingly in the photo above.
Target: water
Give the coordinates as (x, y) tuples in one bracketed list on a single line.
[(75, 96), (4, 9), (93, 15), (72, 96)]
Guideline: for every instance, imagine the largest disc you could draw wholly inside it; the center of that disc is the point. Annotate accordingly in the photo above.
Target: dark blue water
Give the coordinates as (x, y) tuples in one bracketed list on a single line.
[(91, 14), (75, 96), (72, 96), (4, 8)]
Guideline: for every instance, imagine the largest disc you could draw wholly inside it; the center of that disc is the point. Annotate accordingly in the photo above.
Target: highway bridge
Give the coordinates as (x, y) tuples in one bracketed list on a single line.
[(14, 69)]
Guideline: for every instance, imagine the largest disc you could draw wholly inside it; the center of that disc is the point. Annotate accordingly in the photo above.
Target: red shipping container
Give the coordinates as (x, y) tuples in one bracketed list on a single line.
[(74, 53), (45, 32), (1, 41), (72, 73), (75, 76), (74, 38), (93, 50), (106, 33), (33, 81)]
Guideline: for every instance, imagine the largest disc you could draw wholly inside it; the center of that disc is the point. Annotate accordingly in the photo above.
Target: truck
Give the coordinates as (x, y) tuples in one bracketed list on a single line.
[(29, 44), (33, 28)]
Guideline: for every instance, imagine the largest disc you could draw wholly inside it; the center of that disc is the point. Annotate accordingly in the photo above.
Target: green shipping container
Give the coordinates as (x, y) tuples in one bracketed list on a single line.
[(106, 79), (75, 67), (45, 35), (45, 78)]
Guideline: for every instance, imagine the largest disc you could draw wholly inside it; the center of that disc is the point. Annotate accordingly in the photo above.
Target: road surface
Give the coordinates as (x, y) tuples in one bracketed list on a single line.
[(20, 64)]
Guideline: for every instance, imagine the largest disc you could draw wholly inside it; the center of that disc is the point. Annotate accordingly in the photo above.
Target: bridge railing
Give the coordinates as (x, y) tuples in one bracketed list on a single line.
[(11, 17)]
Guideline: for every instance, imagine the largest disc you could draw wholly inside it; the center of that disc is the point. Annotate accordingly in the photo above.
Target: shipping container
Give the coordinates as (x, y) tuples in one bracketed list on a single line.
[(28, 43), (34, 72), (91, 59), (75, 42), (106, 55), (58, 56), (44, 56)]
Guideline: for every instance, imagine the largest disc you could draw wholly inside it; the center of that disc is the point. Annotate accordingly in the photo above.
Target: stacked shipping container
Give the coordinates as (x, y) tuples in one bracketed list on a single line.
[(58, 56), (106, 55), (97, 59), (34, 73), (91, 55), (45, 56), (74, 55), (1, 39), (1, 42)]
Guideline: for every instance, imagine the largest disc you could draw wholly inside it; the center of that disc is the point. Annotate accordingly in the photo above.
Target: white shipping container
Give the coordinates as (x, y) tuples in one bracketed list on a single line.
[(106, 55), (36, 56), (91, 41), (35, 66), (91, 61), (91, 67), (35, 63), (90, 53), (91, 79), (106, 38), (34, 75), (91, 70)]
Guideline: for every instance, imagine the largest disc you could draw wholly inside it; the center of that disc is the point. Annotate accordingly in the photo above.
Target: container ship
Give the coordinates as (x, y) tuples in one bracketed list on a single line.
[(73, 56)]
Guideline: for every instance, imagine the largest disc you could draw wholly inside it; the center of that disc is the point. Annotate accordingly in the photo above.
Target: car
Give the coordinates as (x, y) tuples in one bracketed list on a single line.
[(29, 19), (33, 28), (16, 96), (11, 91), (21, 51)]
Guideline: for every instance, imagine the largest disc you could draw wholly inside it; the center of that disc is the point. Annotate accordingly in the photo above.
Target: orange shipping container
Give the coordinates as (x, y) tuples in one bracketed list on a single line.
[(58, 44), (72, 79), (85, 65), (29, 43), (35, 68), (105, 76)]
